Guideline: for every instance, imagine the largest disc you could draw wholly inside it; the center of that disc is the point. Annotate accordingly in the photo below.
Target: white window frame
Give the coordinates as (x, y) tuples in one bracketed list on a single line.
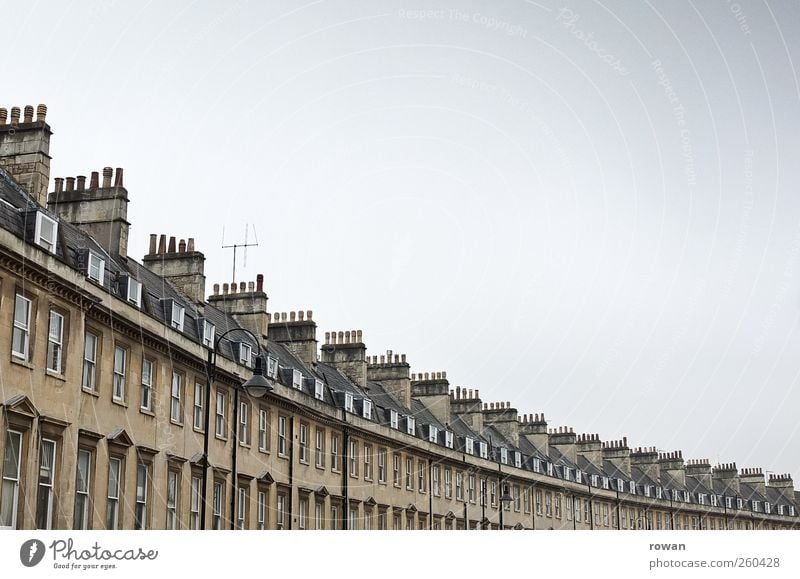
[(632, 487), (448, 438), (263, 423), (241, 508), (22, 328), (89, 375), (11, 484), (504, 455), (483, 450), (146, 388), (272, 367), (348, 402), (198, 414), (41, 241), (194, 506), (550, 469), (96, 268), (297, 379), (209, 334), (394, 419), (518, 461), (366, 409), (46, 486), (177, 316), (115, 473), (411, 425), (281, 435), (136, 298), (173, 487), (55, 342), (140, 510), (261, 511), (219, 414), (176, 398), (82, 489), (244, 423), (245, 354), (120, 372), (381, 465), (319, 447), (319, 389), (469, 445), (433, 433), (216, 502), (303, 439)]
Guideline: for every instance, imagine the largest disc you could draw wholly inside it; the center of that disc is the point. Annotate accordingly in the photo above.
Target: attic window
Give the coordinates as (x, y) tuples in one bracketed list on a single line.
[(658, 496), (319, 388), (537, 465), (448, 439), (245, 353), (565, 472), (433, 433), (97, 268), (632, 487), (504, 455), (739, 504), (366, 411), (518, 459), (728, 503), (780, 509), (605, 483), (791, 511), (595, 482), (550, 469), (135, 292), (767, 508), (394, 419), (701, 499), (713, 500), (297, 379), (483, 449), (578, 476), (469, 444), (46, 232), (178, 312), (348, 401), (209, 334), (272, 367), (411, 425), (685, 496), (647, 490)]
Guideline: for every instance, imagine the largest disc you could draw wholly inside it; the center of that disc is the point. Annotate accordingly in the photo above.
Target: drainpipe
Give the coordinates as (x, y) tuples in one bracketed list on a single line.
[(345, 466), (430, 494), (235, 440), (291, 465), (591, 503)]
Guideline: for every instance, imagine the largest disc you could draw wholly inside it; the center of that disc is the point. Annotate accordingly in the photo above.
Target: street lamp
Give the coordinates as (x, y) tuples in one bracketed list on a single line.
[(505, 499), (257, 386)]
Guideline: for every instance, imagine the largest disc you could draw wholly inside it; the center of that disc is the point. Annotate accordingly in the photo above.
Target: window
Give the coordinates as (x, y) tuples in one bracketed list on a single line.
[(396, 469), (89, 361), (433, 433), (368, 520), (484, 449), (146, 392), (281, 511), (353, 525), (557, 506), (9, 493), (550, 469), (120, 361), (518, 462), (605, 482), (241, 508), (469, 445), (44, 503), (632, 487), (353, 458), (367, 410), (409, 474), (319, 448), (46, 232), (605, 514), (220, 415), (209, 334), (142, 476), (448, 483), (756, 506), (421, 476), (216, 504), (538, 502), (382, 465), (261, 509), (244, 424), (245, 354), (493, 493), (578, 509), (176, 320), (448, 439), (659, 495), (263, 429), (348, 402), (176, 404), (435, 480), (319, 524), (20, 338), (319, 389), (304, 443), (565, 470), (55, 342), (194, 514), (272, 367), (281, 435), (97, 268), (198, 416), (297, 379), (526, 500), (739, 504), (303, 514), (334, 452), (595, 480), (394, 419), (471, 488), (82, 493), (459, 485), (411, 425), (334, 516), (134, 292), (173, 486), (114, 483), (516, 496)]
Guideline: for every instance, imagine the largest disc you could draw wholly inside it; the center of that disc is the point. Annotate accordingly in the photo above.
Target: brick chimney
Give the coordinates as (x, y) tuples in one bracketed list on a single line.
[(591, 448), (433, 390), (646, 459), (99, 210), (394, 373), (346, 352), (618, 454), (503, 418), (180, 264), (534, 429), (728, 475), (467, 405), (784, 485), (754, 477), (671, 466), (297, 331), (25, 149), (564, 439), (247, 304), (700, 468)]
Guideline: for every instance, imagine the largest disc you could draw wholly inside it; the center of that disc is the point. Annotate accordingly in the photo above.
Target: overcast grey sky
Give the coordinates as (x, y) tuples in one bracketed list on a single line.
[(589, 209)]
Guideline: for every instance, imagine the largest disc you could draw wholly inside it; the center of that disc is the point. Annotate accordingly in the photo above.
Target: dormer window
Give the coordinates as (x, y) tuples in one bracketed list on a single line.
[(728, 503), (411, 425), (97, 268), (791, 511), (135, 292), (394, 419), (620, 485), (319, 388), (272, 367), (537, 465), (504, 455), (348, 402), (713, 500), (566, 472), (46, 232), (594, 480), (605, 483), (739, 504), (178, 313), (448, 439), (780, 510), (767, 508), (632, 487), (685, 496), (647, 490), (518, 459), (483, 448), (469, 445), (366, 411), (297, 379), (209, 334), (658, 495), (433, 433), (756, 505), (245, 353), (579, 476), (550, 469)]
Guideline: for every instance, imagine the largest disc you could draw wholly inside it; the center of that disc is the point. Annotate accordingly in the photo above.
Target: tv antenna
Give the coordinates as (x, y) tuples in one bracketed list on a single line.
[(244, 245)]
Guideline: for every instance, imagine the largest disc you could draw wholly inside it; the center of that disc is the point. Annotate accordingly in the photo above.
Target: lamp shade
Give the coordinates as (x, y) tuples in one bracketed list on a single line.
[(257, 386)]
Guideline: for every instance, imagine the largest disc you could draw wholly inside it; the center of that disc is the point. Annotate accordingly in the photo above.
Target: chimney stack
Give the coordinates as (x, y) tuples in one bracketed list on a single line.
[(298, 333), (534, 429), (564, 439), (728, 475), (618, 454), (646, 459), (183, 269), (433, 390), (700, 469), (784, 485), (467, 405), (590, 447), (346, 352), (754, 478), (25, 150), (504, 418), (671, 466), (394, 373), (248, 308)]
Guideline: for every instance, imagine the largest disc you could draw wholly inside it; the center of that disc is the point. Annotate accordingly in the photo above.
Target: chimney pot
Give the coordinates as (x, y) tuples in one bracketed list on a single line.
[(301, 315), (190, 244), (171, 248), (41, 112), (359, 335), (59, 181), (251, 286), (477, 394), (216, 289), (162, 244), (225, 289), (107, 172), (94, 183), (3, 116), (233, 287), (118, 178), (81, 182), (14, 115), (153, 241), (260, 283), (28, 114), (242, 286), (182, 246), (309, 314), (291, 316)]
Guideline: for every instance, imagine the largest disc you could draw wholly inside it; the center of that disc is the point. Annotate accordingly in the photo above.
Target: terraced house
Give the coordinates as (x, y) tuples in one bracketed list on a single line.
[(110, 408)]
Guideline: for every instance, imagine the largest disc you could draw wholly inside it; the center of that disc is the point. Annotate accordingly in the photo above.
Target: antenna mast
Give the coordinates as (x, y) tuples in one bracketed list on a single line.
[(245, 245)]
